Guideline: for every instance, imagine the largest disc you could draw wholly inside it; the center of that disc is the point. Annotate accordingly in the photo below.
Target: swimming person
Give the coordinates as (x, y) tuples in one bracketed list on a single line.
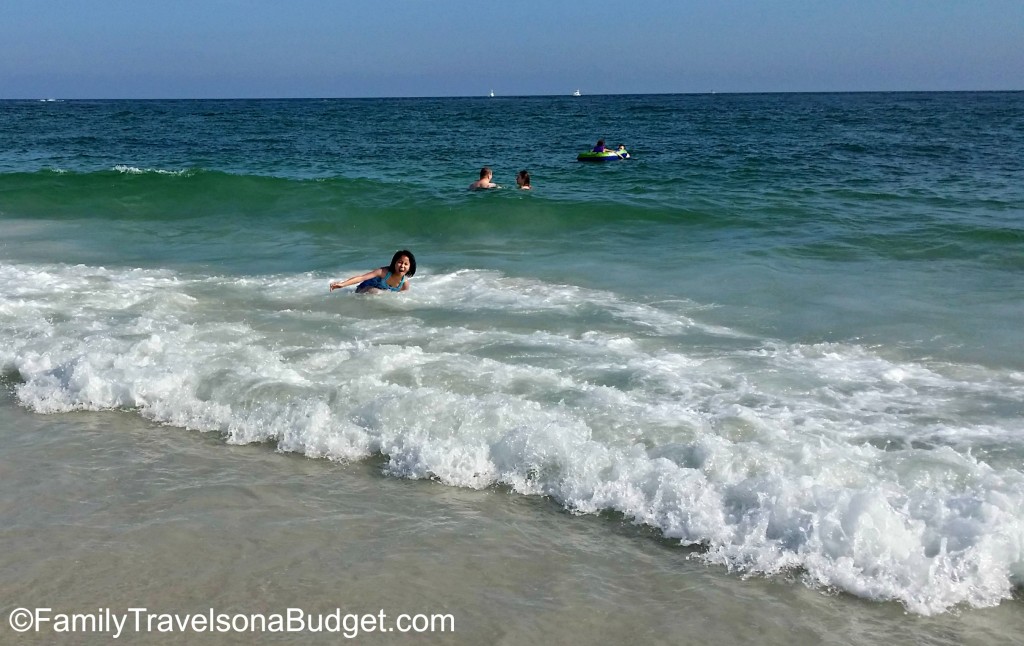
[(484, 181), (523, 180), (390, 278), (621, 152)]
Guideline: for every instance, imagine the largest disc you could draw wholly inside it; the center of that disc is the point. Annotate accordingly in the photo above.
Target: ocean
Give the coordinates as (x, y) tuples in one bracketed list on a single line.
[(762, 382)]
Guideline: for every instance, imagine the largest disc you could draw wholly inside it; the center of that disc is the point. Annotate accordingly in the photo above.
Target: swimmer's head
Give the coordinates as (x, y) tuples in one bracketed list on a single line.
[(412, 262), (485, 172)]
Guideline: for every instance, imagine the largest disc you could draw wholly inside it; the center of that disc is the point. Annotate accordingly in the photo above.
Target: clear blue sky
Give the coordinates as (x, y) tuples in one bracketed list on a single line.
[(344, 48)]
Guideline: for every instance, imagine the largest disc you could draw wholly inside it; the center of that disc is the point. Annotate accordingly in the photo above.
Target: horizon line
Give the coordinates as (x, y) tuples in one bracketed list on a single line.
[(499, 96)]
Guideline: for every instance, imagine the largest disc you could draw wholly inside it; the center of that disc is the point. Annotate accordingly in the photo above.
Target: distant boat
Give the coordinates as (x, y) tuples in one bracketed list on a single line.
[(576, 93), (492, 94)]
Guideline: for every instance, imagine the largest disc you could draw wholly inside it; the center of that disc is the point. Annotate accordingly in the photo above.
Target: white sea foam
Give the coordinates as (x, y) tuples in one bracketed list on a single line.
[(132, 170), (882, 476)]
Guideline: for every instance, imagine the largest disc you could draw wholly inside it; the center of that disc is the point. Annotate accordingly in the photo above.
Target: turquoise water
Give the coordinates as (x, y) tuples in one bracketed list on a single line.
[(785, 333)]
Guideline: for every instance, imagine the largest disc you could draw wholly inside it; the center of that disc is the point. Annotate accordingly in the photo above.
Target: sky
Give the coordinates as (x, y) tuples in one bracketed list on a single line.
[(394, 48)]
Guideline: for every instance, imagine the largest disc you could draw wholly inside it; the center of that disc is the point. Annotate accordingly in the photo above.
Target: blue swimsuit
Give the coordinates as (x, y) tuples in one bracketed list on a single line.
[(380, 283)]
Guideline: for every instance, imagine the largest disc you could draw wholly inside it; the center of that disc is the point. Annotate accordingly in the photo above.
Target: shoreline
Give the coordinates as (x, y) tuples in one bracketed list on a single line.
[(127, 513)]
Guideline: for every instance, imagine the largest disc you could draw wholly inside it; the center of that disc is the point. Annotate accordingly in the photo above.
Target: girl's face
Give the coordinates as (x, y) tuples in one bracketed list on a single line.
[(402, 265)]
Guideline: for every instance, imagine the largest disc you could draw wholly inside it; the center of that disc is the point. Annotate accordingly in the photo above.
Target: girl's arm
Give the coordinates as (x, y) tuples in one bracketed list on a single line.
[(376, 273), (405, 285)]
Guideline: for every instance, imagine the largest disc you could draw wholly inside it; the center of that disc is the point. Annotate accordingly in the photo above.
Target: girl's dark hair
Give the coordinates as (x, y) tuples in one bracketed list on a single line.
[(407, 254)]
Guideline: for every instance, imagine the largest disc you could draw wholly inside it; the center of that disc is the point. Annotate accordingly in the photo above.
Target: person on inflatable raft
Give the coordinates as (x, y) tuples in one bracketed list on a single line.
[(600, 152)]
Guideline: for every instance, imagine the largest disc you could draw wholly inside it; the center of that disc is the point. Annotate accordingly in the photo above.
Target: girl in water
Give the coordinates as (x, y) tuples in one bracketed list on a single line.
[(390, 278), (523, 180)]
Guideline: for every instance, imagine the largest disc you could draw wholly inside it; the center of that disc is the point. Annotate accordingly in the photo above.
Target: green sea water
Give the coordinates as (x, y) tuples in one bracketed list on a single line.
[(785, 334), (904, 200)]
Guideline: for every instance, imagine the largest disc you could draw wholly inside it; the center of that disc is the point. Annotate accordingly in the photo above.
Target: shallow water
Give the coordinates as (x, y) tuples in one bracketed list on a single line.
[(105, 511)]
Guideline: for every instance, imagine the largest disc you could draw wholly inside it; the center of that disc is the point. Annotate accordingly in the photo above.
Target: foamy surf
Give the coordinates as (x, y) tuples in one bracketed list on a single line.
[(857, 469), (132, 170)]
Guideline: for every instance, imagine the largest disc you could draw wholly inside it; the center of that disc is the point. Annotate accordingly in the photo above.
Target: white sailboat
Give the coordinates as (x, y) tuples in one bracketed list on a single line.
[(491, 94)]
